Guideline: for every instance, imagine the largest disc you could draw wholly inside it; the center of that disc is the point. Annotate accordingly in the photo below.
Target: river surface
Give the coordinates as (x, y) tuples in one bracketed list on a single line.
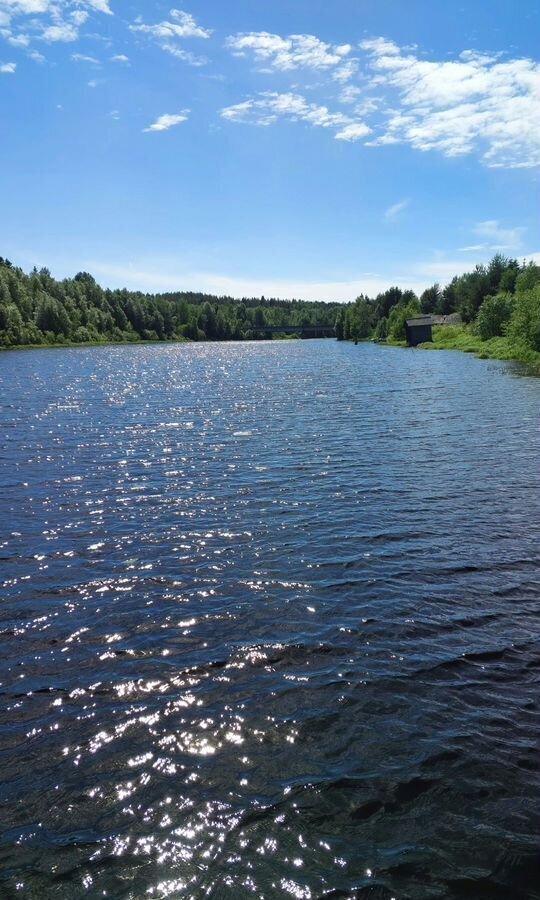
[(269, 623)]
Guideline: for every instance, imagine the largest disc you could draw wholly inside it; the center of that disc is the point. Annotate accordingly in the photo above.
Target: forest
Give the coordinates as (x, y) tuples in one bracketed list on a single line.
[(497, 305), (495, 302), (36, 309)]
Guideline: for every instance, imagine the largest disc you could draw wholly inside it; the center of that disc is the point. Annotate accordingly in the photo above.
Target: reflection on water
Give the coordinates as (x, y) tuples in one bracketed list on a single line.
[(269, 619)]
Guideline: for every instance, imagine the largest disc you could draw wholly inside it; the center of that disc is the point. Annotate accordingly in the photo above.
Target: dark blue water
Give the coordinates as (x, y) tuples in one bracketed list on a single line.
[(270, 619)]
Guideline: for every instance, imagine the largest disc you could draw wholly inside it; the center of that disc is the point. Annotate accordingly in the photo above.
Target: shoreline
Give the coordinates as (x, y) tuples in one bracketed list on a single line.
[(462, 339), (458, 338), (68, 345)]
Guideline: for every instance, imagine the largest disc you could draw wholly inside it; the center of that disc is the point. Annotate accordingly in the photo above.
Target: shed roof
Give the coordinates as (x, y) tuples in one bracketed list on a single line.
[(420, 320)]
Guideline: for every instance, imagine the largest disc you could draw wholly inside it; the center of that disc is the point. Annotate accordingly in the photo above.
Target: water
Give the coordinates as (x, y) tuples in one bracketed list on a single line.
[(269, 623)]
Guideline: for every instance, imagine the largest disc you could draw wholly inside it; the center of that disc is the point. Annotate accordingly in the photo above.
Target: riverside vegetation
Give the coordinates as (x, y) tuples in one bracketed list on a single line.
[(499, 305), (38, 310)]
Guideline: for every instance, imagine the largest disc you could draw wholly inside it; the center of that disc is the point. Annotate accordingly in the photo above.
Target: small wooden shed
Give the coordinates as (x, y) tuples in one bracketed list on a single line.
[(418, 330)]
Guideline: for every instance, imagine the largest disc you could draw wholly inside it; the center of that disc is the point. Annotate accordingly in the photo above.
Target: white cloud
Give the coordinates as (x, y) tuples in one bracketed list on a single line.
[(499, 238), (8, 68), (99, 5), (270, 107), (474, 103), (168, 34), (441, 270), (165, 274), (354, 132), (26, 7), (184, 55), (80, 57), (393, 211), (293, 52), (160, 277), (168, 120), (182, 26), (51, 20), (19, 40), (65, 32), (350, 94), (79, 17), (380, 47), (347, 71)]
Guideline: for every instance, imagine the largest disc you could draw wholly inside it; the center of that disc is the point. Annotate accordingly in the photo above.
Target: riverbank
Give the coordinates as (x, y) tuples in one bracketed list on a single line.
[(460, 337), (66, 344)]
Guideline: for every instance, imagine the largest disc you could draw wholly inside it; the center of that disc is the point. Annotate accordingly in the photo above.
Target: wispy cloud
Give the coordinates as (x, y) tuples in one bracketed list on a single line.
[(170, 34), (166, 274), (286, 53), (393, 211), (495, 238), (185, 55), (345, 72), (81, 58), (183, 25), (499, 238), (19, 40), (269, 106), (8, 68), (168, 120), (99, 5), (149, 276), (120, 58)]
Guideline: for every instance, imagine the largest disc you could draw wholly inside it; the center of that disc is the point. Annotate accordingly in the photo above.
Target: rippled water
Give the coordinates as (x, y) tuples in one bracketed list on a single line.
[(269, 623)]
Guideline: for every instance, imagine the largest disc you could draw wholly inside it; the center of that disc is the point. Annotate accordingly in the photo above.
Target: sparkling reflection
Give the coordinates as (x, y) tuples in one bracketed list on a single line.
[(258, 640)]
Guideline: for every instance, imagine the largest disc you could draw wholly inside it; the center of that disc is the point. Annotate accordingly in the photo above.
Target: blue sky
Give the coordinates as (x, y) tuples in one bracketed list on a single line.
[(300, 148)]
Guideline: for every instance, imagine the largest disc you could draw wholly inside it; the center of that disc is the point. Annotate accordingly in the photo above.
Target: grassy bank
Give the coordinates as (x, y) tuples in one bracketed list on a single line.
[(65, 344), (170, 342), (461, 337)]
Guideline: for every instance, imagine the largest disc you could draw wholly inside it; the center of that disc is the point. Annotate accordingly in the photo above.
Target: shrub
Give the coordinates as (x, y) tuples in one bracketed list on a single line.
[(493, 315)]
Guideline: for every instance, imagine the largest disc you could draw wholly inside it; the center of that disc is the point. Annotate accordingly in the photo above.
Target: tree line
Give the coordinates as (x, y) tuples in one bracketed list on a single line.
[(36, 309), (498, 299)]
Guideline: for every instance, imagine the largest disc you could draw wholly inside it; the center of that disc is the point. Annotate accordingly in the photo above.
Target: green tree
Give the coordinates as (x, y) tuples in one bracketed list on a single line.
[(431, 299), (398, 317), (381, 331), (340, 323), (493, 315), (524, 326)]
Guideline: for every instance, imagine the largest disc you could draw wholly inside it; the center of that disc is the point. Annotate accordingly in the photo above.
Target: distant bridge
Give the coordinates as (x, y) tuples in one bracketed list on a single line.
[(304, 331)]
